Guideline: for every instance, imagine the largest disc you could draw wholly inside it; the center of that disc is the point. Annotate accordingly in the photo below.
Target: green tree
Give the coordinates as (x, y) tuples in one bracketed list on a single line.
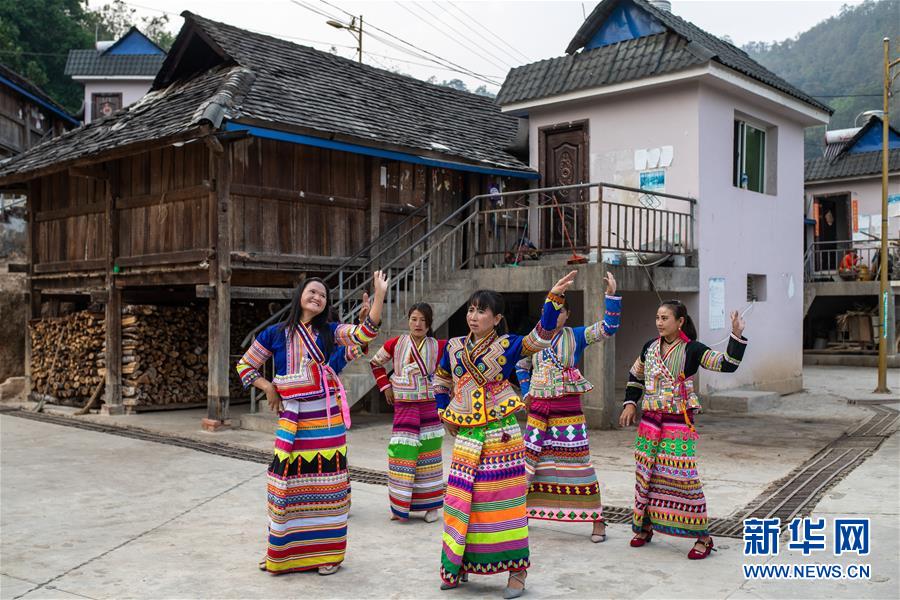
[(838, 61), (35, 38), (112, 21)]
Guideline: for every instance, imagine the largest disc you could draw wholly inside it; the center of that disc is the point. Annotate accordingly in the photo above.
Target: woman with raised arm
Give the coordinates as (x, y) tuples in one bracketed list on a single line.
[(485, 523), (308, 485), (415, 468), (562, 483), (668, 496)]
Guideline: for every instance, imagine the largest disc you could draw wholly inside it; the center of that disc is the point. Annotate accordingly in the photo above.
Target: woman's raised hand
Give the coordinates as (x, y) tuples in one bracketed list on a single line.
[(737, 323), (364, 308), (381, 283), (610, 284), (563, 284)]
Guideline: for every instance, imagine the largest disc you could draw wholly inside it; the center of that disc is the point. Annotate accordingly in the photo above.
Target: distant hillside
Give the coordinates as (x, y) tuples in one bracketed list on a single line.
[(839, 61)]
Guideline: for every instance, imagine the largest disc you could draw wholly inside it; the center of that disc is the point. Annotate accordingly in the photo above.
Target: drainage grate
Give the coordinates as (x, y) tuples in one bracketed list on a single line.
[(263, 457), (798, 493)]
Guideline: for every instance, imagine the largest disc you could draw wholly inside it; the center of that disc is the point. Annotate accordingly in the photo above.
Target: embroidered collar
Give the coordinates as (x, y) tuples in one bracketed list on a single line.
[(477, 350), (416, 351), (310, 347)]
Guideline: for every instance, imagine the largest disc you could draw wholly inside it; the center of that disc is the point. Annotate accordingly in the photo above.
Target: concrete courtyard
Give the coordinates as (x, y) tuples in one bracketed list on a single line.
[(93, 515)]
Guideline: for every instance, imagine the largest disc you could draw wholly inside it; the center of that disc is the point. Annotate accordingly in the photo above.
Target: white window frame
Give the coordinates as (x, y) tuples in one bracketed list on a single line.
[(741, 158)]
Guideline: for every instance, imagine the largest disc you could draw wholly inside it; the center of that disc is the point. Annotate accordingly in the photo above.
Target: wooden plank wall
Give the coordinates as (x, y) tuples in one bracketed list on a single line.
[(163, 201), (70, 225), (298, 200), (161, 198)]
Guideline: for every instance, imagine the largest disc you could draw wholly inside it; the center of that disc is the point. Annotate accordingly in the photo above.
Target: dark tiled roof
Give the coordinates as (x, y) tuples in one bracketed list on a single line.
[(35, 91), (635, 59), (98, 64), (303, 87), (177, 109), (259, 79), (850, 165)]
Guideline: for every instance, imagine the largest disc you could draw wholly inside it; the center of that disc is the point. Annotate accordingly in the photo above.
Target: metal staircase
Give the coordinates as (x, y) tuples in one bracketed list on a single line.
[(427, 259)]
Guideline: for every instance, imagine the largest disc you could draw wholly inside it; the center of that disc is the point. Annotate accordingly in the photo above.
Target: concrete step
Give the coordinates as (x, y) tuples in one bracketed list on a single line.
[(741, 401), (263, 421)]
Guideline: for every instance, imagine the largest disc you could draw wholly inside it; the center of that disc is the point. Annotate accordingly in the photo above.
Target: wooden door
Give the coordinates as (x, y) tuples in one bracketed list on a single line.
[(563, 161)]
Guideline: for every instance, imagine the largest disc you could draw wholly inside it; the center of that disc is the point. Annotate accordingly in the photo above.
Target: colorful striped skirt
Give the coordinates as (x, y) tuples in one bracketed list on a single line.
[(415, 469), (309, 491), (485, 523), (562, 482), (668, 491)]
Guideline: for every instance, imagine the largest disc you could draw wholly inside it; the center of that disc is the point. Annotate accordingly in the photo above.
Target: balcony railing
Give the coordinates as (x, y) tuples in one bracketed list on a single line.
[(827, 261)]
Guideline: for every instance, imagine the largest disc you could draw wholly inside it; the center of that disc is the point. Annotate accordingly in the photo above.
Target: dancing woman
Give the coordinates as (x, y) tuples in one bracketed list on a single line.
[(308, 485), (562, 483), (668, 496), (415, 468), (485, 522)]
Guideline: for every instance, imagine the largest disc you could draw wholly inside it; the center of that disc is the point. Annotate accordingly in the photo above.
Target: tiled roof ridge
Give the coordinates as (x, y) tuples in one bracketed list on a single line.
[(345, 61)]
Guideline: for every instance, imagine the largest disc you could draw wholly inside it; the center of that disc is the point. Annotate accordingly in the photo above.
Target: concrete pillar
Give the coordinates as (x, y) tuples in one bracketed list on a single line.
[(600, 404)]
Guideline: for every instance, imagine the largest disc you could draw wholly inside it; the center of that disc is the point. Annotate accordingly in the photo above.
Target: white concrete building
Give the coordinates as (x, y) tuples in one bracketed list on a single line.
[(843, 215), (115, 74), (645, 99)]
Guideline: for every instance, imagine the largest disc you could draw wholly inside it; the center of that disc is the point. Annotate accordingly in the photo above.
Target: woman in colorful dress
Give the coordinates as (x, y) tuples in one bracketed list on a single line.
[(485, 523), (668, 495), (562, 483), (415, 469), (308, 485)]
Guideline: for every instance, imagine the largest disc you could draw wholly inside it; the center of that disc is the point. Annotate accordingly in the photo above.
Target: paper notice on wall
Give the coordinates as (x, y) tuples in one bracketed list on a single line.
[(859, 234), (653, 158), (893, 206), (640, 159), (716, 303), (666, 154), (790, 286), (854, 211)]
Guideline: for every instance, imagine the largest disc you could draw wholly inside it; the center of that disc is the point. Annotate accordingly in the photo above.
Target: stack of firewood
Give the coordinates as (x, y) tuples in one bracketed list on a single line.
[(164, 354), (164, 358), (67, 356)]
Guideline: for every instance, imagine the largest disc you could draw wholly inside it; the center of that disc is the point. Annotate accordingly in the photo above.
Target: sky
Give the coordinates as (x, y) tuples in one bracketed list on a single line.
[(475, 41)]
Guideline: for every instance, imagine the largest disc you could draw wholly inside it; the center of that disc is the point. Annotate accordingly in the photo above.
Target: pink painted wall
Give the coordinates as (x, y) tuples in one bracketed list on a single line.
[(743, 232), (868, 193), (738, 231), (131, 91)]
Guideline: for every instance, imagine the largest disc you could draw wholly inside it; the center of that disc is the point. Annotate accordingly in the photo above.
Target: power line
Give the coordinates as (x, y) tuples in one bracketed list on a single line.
[(391, 35), (444, 33), (515, 59), (437, 18), (477, 22)]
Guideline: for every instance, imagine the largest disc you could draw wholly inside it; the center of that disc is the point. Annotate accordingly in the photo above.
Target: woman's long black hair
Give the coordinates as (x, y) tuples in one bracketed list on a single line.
[(680, 311), (425, 309), (492, 301), (319, 322)]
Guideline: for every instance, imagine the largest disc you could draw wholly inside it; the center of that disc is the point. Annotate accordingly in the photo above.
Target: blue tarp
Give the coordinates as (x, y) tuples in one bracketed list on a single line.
[(625, 22)]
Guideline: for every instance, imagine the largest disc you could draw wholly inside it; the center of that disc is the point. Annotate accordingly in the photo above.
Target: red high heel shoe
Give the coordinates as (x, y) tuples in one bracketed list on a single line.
[(707, 548), (637, 541)]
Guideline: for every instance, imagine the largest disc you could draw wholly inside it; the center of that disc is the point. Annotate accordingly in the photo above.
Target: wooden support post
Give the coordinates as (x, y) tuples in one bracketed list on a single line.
[(217, 399), (375, 207), (113, 313), (33, 296)]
